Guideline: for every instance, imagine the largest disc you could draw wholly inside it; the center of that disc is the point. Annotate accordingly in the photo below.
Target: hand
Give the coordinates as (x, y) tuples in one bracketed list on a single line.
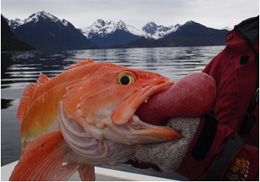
[(169, 155)]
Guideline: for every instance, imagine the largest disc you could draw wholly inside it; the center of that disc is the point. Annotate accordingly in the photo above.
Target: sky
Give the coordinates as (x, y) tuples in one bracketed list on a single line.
[(83, 13)]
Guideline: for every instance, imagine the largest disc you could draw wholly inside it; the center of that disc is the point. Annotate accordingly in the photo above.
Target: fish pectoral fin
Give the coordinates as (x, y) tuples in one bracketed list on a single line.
[(42, 159), (87, 173)]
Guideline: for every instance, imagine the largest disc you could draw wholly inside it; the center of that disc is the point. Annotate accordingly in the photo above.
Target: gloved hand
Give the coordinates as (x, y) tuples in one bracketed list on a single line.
[(169, 155)]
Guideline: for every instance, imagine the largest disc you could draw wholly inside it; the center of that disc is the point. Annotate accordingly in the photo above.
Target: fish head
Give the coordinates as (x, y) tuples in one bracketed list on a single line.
[(103, 104)]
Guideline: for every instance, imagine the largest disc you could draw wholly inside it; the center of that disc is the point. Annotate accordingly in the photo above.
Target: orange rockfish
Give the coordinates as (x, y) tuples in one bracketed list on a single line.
[(85, 117)]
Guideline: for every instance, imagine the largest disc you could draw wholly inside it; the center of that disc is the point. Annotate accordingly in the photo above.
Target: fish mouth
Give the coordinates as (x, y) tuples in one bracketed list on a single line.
[(126, 114)]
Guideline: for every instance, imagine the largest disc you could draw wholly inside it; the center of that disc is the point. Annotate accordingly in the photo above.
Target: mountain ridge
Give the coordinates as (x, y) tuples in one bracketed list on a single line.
[(149, 30), (45, 31), (189, 34), (9, 42), (107, 34)]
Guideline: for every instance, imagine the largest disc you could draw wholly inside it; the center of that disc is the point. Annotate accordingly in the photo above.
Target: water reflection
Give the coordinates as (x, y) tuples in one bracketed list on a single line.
[(5, 103), (20, 68), (5, 64)]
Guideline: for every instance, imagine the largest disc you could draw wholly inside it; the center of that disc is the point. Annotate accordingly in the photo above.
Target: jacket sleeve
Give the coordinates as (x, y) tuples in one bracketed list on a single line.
[(218, 153), (218, 150)]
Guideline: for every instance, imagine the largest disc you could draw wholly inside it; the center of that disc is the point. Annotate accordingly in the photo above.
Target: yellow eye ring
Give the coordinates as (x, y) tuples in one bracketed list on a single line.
[(125, 78)]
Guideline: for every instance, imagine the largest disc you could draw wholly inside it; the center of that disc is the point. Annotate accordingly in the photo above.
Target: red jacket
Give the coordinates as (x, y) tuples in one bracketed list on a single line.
[(221, 149)]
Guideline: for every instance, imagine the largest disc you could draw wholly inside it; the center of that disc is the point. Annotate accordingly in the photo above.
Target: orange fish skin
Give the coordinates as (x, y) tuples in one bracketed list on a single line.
[(41, 113)]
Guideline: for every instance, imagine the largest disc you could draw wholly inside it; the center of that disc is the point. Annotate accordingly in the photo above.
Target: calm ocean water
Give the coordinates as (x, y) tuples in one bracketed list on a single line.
[(20, 68)]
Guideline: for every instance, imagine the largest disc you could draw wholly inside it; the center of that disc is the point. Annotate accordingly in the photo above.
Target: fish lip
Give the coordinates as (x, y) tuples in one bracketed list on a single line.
[(146, 100), (125, 111), (169, 84), (159, 90)]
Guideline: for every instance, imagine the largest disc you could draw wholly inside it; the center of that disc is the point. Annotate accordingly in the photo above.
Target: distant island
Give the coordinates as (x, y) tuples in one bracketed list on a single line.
[(47, 32)]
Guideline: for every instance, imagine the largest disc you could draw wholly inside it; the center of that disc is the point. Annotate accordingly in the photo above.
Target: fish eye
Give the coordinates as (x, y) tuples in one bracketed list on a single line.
[(125, 78)]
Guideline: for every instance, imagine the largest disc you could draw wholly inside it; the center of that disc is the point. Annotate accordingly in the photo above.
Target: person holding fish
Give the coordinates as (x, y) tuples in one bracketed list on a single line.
[(98, 113), (224, 144)]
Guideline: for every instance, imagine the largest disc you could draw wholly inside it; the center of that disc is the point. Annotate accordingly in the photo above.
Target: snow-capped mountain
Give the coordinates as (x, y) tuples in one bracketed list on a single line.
[(189, 34), (42, 15), (9, 42), (150, 30), (103, 28), (158, 31), (109, 33), (15, 23), (45, 31)]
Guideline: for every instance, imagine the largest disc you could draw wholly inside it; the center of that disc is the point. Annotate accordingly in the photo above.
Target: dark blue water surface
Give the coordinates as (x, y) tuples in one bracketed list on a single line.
[(21, 68)]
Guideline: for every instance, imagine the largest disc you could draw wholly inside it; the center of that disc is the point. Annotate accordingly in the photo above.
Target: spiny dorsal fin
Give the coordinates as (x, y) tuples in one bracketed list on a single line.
[(25, 100), (81, 63), (28, 95), (42, 79)]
